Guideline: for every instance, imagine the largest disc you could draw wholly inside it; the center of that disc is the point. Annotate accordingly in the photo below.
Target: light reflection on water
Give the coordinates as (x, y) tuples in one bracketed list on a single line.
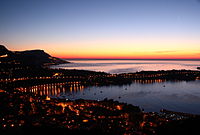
[(152, 95), (125, 66)]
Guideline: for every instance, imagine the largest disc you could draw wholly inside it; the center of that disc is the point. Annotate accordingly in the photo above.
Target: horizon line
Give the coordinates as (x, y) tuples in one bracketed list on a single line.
[(192, 59)]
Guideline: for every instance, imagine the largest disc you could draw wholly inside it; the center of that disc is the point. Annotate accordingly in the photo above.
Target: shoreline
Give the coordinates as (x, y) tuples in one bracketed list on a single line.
[(78, 115), (101, 79), (42, 112)]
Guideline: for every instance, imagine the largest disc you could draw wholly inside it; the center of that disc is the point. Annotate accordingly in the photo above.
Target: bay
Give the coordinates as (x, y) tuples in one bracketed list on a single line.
[(150, 95)]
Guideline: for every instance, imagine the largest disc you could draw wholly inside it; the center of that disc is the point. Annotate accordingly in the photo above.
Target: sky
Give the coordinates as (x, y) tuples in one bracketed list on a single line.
[(130, 29)]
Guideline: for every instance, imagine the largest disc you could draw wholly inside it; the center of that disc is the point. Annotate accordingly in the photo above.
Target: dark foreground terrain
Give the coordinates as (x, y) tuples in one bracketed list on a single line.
[(25, 113)]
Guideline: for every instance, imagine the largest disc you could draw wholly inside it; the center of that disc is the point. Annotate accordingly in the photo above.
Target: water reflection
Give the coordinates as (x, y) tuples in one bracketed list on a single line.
[(54, 89), (149, 81), (68, 88), (151, 95)]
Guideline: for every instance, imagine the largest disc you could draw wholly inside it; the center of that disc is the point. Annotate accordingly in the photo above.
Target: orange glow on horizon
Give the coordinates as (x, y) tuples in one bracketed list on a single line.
[(146, 55), (108, 57), (138, 50), (159, 48)]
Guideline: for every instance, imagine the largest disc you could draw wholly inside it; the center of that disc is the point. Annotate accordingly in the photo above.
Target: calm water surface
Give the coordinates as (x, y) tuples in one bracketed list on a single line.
[(183, 96), (177, 96), (124, 66)]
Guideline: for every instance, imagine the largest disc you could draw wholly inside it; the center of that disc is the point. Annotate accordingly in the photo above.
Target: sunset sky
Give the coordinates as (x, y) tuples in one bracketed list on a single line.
[(103, 28)]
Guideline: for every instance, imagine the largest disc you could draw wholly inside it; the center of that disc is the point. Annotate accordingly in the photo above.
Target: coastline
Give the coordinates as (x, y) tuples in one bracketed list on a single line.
[(35, 111), (81, 114)]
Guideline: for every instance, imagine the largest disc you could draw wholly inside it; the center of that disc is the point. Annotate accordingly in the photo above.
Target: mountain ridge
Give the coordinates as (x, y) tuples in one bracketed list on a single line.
[(35, 57)]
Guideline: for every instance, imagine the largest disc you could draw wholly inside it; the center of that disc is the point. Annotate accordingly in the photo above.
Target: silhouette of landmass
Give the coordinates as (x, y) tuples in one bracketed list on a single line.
[(4, 51), (29, 57)]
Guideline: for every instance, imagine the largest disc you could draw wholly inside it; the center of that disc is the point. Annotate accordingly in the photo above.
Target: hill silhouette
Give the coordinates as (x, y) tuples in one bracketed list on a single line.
[(4, 50), (29, 57)]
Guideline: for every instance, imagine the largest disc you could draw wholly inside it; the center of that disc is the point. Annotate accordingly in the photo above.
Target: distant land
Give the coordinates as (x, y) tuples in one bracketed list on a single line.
[(29, 57), (130, 59)]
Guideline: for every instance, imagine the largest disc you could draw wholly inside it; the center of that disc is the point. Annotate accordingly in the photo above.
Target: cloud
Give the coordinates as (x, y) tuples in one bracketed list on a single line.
[(122, 70), (164, 51)]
